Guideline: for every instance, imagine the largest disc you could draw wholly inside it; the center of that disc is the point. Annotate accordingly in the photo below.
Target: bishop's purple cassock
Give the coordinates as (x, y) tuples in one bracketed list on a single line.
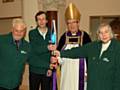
[(72, 70)]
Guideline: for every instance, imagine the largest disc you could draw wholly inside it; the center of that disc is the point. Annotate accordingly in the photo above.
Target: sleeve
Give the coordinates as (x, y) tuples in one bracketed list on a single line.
[(86, 39), (75, 52), (117, 72), (35, 45), (60, 60), (29, 52), (61, 42)]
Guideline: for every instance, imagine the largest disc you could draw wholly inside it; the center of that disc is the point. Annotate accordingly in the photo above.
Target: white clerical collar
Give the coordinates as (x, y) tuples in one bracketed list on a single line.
[(73, 34)]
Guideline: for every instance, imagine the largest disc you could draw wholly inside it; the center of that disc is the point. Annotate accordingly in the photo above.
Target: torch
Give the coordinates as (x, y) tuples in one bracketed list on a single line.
[(53, 41)]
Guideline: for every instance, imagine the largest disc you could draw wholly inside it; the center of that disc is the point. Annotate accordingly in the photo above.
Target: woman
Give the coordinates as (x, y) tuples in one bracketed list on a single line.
[(103, 60)]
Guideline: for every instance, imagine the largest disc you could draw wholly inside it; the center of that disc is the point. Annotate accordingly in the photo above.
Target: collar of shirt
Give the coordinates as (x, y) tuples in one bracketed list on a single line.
[(43, 33), (18, 42), (105, 47)]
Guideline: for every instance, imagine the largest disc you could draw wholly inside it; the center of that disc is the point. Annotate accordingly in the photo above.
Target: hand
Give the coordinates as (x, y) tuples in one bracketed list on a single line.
[(56, 53), (49, 73), (52, 47), (53, 60), (54, 66)]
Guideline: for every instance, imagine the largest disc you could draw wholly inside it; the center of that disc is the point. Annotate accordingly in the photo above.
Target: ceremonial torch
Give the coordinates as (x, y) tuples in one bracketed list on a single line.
[(53, 40)]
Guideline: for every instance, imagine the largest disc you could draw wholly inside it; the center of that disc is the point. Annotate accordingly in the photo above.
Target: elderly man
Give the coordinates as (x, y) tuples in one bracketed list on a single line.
[(13, 54), (73, 37)]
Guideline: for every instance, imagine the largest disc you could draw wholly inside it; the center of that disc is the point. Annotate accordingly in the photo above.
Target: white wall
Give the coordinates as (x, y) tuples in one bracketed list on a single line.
[(87, 8), (30, 7), (5, 26), (11, 9)]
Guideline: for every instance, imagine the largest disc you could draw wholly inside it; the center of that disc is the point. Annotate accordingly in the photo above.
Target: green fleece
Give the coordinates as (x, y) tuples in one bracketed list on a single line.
[(104, 70), (12, 61), (40, 55)]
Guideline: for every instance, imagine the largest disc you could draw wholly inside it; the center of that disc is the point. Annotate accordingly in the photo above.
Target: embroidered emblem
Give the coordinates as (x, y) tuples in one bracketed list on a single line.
[(23, 52), (106, 59)]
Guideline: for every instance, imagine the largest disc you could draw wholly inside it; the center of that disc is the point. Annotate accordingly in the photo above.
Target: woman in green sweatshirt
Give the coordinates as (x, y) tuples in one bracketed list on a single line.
[(103, 60)]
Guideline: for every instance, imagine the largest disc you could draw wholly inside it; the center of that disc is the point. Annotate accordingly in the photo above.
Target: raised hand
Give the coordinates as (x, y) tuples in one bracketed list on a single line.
[(56, 53), (51, 47), (54, 62)]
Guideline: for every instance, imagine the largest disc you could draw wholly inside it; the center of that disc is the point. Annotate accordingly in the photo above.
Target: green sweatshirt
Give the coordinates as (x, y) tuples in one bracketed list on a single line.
[(104, 70), (40, 55), (12, 61)]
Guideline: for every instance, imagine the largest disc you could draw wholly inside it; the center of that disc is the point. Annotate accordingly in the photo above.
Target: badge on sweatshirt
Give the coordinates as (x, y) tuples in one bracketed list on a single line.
[(106, 59), (23, 52)]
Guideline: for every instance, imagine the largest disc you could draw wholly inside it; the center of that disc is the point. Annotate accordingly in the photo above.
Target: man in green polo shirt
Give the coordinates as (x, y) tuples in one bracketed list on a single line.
[(13, 55)]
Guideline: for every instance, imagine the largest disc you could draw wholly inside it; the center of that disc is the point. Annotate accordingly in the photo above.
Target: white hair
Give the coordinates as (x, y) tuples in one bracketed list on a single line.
[(18, 21), (108, 27)]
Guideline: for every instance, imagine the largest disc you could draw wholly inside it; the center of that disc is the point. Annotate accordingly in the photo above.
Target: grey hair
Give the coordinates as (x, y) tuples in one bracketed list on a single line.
[(18, 21), (108, 27)]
